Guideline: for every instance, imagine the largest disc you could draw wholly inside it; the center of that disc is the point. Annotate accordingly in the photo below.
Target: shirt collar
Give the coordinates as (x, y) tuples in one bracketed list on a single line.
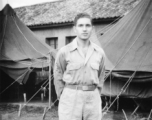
[(74, 45)]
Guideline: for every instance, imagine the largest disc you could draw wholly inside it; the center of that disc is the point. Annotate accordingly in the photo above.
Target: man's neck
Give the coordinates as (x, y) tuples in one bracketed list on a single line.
[(83, 43)]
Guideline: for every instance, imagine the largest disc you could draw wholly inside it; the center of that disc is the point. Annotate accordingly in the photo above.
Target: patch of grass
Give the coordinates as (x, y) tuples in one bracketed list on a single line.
[(10, 112)]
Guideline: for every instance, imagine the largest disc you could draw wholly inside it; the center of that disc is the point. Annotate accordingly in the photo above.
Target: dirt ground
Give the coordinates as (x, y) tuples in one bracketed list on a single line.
[(32, 112)]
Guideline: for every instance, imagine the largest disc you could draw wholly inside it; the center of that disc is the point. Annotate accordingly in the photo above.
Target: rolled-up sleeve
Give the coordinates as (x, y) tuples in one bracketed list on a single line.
[(59, 68), (101, 73)]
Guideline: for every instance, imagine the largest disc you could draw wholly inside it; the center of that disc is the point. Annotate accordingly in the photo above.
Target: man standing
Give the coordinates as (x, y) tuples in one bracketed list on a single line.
[(79, 74)]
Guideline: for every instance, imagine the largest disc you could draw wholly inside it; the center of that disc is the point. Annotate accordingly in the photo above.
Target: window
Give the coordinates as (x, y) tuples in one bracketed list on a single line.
[(53, 42), (69, 39)]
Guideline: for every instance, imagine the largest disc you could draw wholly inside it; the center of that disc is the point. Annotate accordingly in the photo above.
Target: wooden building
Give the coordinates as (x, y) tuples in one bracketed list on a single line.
[(52, 22)]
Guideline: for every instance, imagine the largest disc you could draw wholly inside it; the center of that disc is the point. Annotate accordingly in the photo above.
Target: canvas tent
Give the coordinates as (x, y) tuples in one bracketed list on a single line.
[(20, 49), (128, 48)]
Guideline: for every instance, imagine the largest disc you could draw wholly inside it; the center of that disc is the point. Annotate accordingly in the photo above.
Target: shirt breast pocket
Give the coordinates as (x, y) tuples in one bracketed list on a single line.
[(71, 70), (94, 70), (73, 66), (95, 66)]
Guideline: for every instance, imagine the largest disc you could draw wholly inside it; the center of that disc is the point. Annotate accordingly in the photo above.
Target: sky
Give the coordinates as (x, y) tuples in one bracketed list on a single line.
[(20, 3)]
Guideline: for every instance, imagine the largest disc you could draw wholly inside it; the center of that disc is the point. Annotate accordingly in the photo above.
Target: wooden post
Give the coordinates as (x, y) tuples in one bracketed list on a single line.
[(44, 89), (45, 110), (50, 79), (19, 111), (118, 104), (42, 97), (24, 95)]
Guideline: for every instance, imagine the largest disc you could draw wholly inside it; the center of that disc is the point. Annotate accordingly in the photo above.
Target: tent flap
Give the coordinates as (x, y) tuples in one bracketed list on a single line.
[(20, 49), (128, 45)]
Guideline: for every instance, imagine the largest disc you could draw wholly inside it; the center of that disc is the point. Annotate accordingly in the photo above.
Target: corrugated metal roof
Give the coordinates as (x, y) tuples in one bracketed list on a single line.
[(65, 11)]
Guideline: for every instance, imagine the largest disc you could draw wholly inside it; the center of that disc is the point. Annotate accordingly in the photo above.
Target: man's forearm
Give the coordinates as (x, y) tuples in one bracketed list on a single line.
[(59, 86)]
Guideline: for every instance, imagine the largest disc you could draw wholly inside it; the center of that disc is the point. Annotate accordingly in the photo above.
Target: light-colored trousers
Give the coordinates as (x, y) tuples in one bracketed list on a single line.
[(78, 104)]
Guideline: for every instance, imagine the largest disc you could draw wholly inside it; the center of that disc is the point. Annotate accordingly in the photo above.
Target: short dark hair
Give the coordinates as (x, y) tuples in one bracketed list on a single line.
[(82, 15)]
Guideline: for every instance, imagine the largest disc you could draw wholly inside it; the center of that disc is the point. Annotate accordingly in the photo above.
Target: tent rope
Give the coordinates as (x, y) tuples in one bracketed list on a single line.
[(119, 18), (107, 26), (5, 23), (130, 79), (128, 49), (15, 81), (32, 96), (122, 90), (45, 111), (18, 78), (117, 31), (37, 92)]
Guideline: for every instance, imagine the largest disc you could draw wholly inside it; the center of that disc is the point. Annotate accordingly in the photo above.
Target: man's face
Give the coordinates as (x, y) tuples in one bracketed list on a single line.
[(83, 28)]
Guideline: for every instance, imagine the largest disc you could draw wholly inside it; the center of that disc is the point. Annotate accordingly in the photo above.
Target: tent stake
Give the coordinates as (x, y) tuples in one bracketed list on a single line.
[(124, 114), (42, 97), (19, 111), (135, 110), (149, 115), (45, 110), (24, 95)]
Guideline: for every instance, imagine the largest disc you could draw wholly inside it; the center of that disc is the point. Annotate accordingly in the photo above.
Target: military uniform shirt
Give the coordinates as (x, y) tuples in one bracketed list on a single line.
[(72, 67)]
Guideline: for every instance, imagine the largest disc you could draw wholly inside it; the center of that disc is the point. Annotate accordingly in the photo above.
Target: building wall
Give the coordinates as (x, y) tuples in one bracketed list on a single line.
[(63, 32)]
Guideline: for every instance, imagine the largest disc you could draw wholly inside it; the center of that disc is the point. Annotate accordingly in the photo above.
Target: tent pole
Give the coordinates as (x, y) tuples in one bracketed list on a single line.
[(50, 79), (118, 104)]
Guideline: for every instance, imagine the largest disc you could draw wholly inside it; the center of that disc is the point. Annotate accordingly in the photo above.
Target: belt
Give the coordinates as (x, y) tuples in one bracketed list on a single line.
[(82, 87)]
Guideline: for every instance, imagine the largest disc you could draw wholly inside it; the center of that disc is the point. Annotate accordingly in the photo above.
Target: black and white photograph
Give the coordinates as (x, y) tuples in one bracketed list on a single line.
[(75, 59)]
